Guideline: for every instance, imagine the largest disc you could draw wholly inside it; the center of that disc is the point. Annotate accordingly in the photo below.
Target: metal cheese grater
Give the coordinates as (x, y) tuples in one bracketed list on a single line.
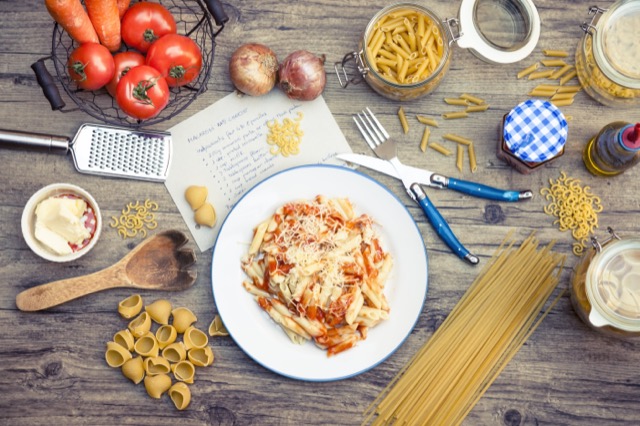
[(104, 150)]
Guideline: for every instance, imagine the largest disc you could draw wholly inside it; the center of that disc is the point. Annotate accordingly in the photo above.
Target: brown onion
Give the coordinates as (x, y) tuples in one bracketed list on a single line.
[(301, 75), (253, 69)]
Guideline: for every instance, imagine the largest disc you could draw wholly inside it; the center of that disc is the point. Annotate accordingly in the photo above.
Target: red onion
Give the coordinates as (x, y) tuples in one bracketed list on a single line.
[(253, 68), (301, 75)]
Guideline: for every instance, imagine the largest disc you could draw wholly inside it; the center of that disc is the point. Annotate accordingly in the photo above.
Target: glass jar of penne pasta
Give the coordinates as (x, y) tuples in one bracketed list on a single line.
[(605, 287), (405, 50), (608, 56)]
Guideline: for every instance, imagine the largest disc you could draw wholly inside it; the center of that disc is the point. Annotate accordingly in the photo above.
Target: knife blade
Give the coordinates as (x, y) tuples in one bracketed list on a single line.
[(414, 174), (435, 180)]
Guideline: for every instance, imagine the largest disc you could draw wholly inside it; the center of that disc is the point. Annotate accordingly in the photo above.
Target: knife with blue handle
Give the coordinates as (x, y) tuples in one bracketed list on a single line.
[(435, 180)]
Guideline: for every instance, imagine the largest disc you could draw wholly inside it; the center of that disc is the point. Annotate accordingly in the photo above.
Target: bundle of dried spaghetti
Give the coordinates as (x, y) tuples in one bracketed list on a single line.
[(504, 305)]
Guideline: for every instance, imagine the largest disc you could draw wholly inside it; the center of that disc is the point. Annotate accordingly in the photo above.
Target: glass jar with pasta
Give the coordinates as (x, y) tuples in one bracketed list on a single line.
[(405, 50), (608, 56), (605, 287)]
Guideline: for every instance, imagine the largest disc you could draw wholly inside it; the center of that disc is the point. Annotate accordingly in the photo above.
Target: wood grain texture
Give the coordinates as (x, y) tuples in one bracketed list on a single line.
[(53, 370)]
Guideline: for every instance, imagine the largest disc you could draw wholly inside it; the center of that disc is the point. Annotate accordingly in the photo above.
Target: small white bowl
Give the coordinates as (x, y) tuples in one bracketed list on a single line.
[(29, 221)]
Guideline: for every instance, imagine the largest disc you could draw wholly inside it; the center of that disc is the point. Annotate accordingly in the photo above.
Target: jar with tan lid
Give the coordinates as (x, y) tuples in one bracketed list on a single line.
[(605, 287), (608, 56)]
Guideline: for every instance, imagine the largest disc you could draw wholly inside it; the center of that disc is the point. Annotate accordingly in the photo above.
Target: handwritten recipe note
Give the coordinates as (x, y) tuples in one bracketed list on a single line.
[(224, 148)]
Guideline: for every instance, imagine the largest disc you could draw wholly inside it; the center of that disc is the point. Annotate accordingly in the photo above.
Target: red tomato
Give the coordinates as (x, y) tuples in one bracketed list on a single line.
[(145, 22), (142, 92), (177, 57), (124, 61), (91, 66)]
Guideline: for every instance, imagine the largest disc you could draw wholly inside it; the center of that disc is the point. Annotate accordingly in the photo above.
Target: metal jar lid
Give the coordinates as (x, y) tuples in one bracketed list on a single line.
[(616, 47), (535, 131), (613, 284), (497, 31)]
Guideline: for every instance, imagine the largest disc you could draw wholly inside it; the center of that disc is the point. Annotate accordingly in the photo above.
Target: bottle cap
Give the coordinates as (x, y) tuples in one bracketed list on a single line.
[(535, 131), (630, 137)]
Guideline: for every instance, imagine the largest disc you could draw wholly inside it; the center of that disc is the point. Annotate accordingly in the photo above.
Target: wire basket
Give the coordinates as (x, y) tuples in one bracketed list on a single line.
[(193, 19)]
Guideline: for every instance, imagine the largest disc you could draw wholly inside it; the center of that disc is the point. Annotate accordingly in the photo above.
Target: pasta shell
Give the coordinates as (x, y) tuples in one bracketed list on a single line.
[(116, 355), (140, 325), (166, 335), (194, 338), (182, 319), (175, 352), (156, 365), (159, 311), (184, 371), (196, 196), (206, 215), (134, 369), (130, 307), (200, 357), (125, 339), (147, 345), (180, 395), (217, 328), (157, 385)]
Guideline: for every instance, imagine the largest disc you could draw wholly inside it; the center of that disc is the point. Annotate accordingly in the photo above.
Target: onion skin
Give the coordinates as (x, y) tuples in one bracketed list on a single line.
[(302, 76), (253, 68)]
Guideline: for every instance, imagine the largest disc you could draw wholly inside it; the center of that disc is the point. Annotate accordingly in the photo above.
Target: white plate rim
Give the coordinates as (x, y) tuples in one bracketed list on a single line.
[(256, 357)]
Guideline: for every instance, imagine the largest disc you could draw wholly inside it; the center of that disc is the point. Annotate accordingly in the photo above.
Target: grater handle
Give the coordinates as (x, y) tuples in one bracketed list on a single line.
[(34, 141)]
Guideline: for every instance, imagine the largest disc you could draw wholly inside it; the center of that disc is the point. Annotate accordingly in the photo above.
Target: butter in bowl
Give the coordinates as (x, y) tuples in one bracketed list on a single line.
[(61, 222)]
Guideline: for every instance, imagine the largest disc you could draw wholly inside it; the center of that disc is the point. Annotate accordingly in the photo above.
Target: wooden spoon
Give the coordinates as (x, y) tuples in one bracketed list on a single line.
[(157, 263)]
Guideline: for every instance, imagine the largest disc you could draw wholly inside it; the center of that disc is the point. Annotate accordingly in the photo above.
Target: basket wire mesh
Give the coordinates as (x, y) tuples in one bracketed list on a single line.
[(192, 20)]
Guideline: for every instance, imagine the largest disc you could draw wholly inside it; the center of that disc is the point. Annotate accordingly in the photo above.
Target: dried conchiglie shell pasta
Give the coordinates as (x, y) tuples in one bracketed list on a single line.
[(125, 339), (159, 311), (156, 365), (201, 357), (217, 328), (182, 319), (194, 338), (134, 369), (147, 345), (206, 215), (157, 385), (180, 395), (175, 352), (196, 196), (140, 325), (130, 307), (166, 335), (116, 355), (184, 371)]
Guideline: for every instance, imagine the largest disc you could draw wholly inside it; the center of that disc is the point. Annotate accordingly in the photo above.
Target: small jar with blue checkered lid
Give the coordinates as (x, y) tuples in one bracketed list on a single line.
[(533, 134)]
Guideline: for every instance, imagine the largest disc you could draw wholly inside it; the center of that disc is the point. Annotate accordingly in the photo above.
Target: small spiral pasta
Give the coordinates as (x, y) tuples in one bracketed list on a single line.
[(180, 395)]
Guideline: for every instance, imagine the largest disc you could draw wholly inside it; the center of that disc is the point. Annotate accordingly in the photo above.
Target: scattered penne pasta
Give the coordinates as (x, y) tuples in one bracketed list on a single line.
[(459, 157), (553, 63), (441, 149), (454, 115), (473, 99), (425, 139), (403, 120), (528, 70), (473, 164), (426, 120), (571, 74), (555, 53), (458, 139), (477, 108), (456, 101), (540, 74)]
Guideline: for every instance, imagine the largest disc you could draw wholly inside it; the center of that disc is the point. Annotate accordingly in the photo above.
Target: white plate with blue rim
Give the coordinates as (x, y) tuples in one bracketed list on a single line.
[(254, 331)]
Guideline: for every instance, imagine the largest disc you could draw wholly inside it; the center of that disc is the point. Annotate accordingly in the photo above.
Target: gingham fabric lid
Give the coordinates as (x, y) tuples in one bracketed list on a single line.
[(535, 131)]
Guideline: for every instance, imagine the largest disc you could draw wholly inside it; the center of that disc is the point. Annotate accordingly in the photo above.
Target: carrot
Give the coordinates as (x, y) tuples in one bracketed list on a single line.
[(106, 21), (123, 5), (71, 16)]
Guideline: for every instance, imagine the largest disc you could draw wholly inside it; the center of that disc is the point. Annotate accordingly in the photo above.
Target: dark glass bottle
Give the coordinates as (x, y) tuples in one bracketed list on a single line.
[(615, 149)]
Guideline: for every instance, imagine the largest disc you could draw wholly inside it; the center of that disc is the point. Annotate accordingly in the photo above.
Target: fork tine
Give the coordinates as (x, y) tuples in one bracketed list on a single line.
[(364, 133), (384, 132), (373, 128)]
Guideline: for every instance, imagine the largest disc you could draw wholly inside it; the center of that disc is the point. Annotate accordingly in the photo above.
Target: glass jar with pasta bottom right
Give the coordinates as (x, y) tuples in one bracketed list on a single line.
[(605, 287)]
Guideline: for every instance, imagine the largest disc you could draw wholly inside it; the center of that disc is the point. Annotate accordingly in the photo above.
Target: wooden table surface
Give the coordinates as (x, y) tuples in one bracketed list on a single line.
[(53, 369)]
